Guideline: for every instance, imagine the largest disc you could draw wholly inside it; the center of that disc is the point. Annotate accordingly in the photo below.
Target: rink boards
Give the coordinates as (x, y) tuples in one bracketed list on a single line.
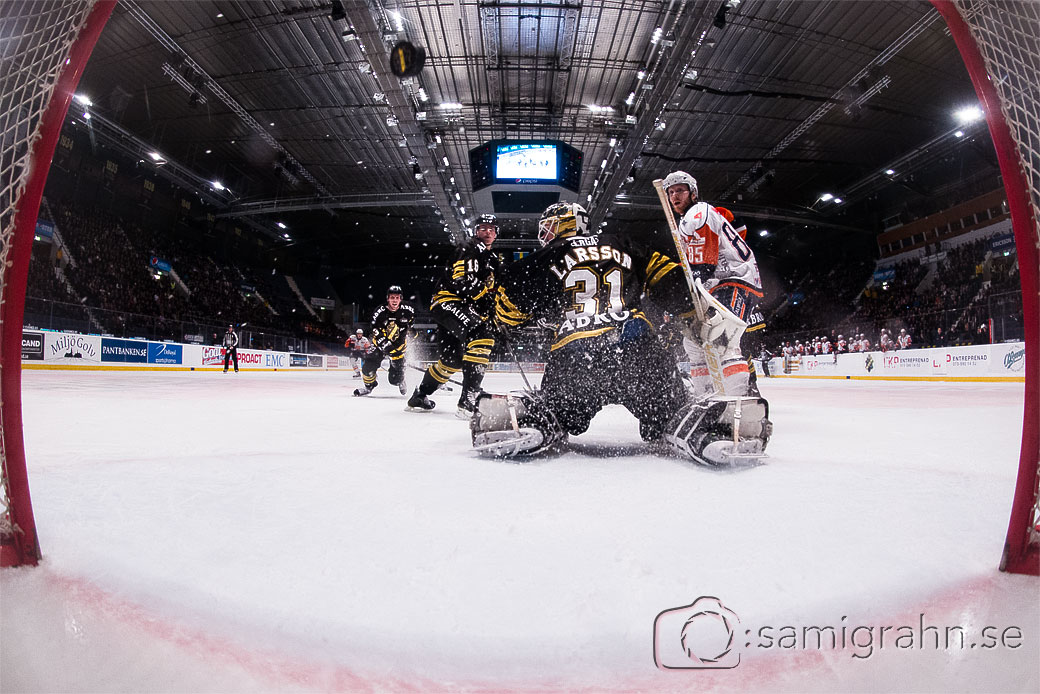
[(998, 362), (53, 350)]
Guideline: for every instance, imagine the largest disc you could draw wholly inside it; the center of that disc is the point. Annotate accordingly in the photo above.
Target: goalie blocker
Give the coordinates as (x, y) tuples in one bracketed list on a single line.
[(718, 431)]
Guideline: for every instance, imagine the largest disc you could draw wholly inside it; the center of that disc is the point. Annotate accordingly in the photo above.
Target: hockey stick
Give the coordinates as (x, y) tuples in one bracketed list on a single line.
[(419, 368), (711, 355), (509, 346)]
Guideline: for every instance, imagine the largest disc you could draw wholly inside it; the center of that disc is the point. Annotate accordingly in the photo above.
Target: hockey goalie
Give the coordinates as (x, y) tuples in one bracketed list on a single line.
[(604, 350)]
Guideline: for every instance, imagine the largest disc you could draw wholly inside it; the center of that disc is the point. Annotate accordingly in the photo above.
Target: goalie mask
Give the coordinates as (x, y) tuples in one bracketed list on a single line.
[(562, 220)]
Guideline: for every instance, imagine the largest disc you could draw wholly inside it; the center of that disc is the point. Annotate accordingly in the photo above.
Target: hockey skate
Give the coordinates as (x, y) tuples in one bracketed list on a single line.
[(363, 390), (726, 453), (468, 404), (403, 387), (420, 403), (509, 443)]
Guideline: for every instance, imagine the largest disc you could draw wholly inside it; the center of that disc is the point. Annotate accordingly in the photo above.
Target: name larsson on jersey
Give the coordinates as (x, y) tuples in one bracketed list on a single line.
[(593, 253), (589, 250)]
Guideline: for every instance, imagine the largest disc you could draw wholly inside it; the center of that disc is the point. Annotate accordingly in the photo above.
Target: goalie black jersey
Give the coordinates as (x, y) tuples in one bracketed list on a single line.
[(390, 328), (470, 277), (590, 286)]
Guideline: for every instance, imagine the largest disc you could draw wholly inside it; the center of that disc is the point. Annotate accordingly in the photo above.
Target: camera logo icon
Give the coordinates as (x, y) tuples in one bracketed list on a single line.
[(698, 636)]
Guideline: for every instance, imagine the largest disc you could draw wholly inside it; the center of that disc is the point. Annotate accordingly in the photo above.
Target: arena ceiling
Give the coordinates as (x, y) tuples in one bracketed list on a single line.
[(769, 104)]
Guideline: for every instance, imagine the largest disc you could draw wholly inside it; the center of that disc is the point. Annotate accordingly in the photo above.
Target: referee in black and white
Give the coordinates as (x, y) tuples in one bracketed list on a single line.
[(230, 347)]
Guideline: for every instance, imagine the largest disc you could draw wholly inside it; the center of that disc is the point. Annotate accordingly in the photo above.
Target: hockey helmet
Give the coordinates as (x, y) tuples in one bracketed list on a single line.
[(562, 220), (488, 220), (359, 331), (681, 178), (394, 289)]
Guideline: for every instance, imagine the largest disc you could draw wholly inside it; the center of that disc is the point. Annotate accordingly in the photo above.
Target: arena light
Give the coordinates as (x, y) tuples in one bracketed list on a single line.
[(959, 133), (281, 225), (217, 185), (968, 114), (445, 160), (83, 99), (447, 105), (764, 232), (838, 201), (209, 151), (826, 197), (641, 75), (631, 98), (595, 108), (157, 158), (890, 172)]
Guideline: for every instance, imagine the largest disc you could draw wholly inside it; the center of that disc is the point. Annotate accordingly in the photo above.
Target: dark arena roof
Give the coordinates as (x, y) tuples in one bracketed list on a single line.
[(774, 106)]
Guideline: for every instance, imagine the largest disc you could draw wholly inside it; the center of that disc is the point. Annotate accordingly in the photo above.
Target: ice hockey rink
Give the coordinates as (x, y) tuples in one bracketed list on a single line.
[(269, 532)]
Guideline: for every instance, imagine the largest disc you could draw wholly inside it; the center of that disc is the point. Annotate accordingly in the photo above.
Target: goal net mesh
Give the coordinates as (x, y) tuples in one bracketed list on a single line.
[(1007, 34), (37, 39)]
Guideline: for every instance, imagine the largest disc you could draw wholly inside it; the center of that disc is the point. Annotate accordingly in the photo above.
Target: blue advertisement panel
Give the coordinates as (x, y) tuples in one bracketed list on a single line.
[(45, 230), (159, 264), (165, 353), (297, 360), (124, 350), (1001, 243), (885, 275)]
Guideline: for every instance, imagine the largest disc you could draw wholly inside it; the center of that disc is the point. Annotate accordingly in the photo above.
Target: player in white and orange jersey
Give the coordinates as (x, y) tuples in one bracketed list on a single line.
[(725, 264)]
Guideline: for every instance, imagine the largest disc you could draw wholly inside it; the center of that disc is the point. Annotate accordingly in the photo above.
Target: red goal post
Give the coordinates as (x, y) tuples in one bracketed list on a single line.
[(45, 48), (999, 41)]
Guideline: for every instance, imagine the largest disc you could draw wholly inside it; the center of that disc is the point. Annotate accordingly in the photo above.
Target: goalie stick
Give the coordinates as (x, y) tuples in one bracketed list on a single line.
[(711, 355)]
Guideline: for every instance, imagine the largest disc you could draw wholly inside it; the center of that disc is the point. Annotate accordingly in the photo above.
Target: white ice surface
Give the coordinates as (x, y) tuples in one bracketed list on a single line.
[(269, 532)]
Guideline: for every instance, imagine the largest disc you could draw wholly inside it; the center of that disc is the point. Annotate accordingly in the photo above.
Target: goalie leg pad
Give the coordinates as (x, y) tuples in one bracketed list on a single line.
[(704, 431), (509, 426)]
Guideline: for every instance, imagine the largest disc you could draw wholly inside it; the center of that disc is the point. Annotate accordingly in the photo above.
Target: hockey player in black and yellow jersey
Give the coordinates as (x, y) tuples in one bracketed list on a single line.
[(462, 306), (390, 325), (604, 350)]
